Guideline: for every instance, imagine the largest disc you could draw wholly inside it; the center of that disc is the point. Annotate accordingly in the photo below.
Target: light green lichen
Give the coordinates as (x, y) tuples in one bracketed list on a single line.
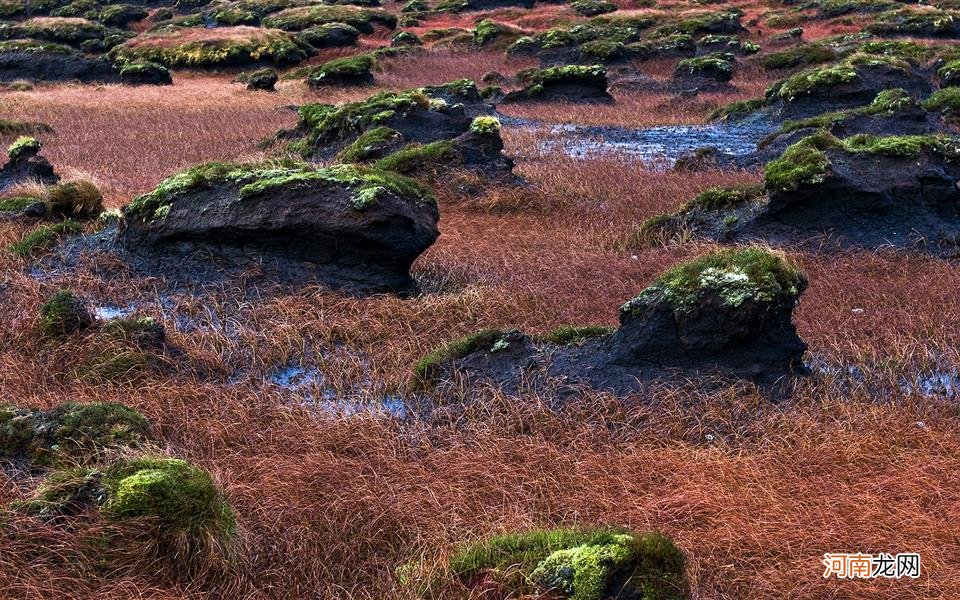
[(23, 146), (736, 276), (485, 125)]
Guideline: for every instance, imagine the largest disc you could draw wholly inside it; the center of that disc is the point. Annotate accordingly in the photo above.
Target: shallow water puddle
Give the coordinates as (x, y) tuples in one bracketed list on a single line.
[(109, 312), (943, 382), (307, 384), (661, 146)]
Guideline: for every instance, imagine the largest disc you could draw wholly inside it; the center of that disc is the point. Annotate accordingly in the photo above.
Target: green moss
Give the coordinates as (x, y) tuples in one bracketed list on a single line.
[(801, 55), (804, 83), (804, 163), (71, 431), (86, 428), (723, 198), (65, 492), (349, 67), (414, 157), (23, 146), (946, 100), (369, 144), (330, 34), (62, 314), (737, 276), (570, 335), (537, 79), (579, 564), (153, 205), (737, 109), (908, 21), (897, 48), (886, 102), (485, 125), (592, 8), (35, 47), (904, 145), (486, 31), (17, 203), (44, 237), (719, 63), (951, 70), (426, 369), (836, 8), (326, 125), (8, 127), (72, 31), (725, 21), (300, 18), (405, 38)]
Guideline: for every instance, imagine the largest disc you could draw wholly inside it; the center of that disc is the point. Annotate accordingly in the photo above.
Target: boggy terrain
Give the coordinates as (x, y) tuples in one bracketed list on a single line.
[(477, 299)]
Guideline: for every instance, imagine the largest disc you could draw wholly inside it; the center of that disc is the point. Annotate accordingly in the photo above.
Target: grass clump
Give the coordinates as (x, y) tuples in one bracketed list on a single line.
[(44, 237), (80, 198), (8, 127), (426, 370), (577, 564), (737, 276), (83, 429), (23, 146)]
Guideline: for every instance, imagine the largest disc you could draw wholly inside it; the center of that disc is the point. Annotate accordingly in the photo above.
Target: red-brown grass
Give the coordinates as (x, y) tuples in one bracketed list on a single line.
[(329, 506)]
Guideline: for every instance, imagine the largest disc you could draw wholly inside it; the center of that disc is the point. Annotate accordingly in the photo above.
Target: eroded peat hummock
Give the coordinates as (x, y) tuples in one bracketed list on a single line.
[(461, 299)]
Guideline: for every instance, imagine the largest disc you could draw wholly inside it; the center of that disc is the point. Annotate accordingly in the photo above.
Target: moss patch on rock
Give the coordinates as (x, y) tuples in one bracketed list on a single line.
[(735, 275), (365, 183), (425, 370), (577, 564)]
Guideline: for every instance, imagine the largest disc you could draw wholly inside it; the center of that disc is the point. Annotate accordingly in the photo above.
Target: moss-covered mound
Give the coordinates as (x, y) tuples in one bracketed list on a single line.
[(305, 17), (420, 124), (76, 32), (920, 21), (734, 276), (716, 67), (161, 511), (69, 432), (588, 564), (36, 60), (348, 225), (211, 48), (577, 83), (727, 313), (863, 190)]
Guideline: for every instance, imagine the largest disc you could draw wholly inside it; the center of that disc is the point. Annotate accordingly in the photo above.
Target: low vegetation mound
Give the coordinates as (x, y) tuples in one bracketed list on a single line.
[(359, 226), (579, 564), (726, 313), (213, 48), (864, 190)]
